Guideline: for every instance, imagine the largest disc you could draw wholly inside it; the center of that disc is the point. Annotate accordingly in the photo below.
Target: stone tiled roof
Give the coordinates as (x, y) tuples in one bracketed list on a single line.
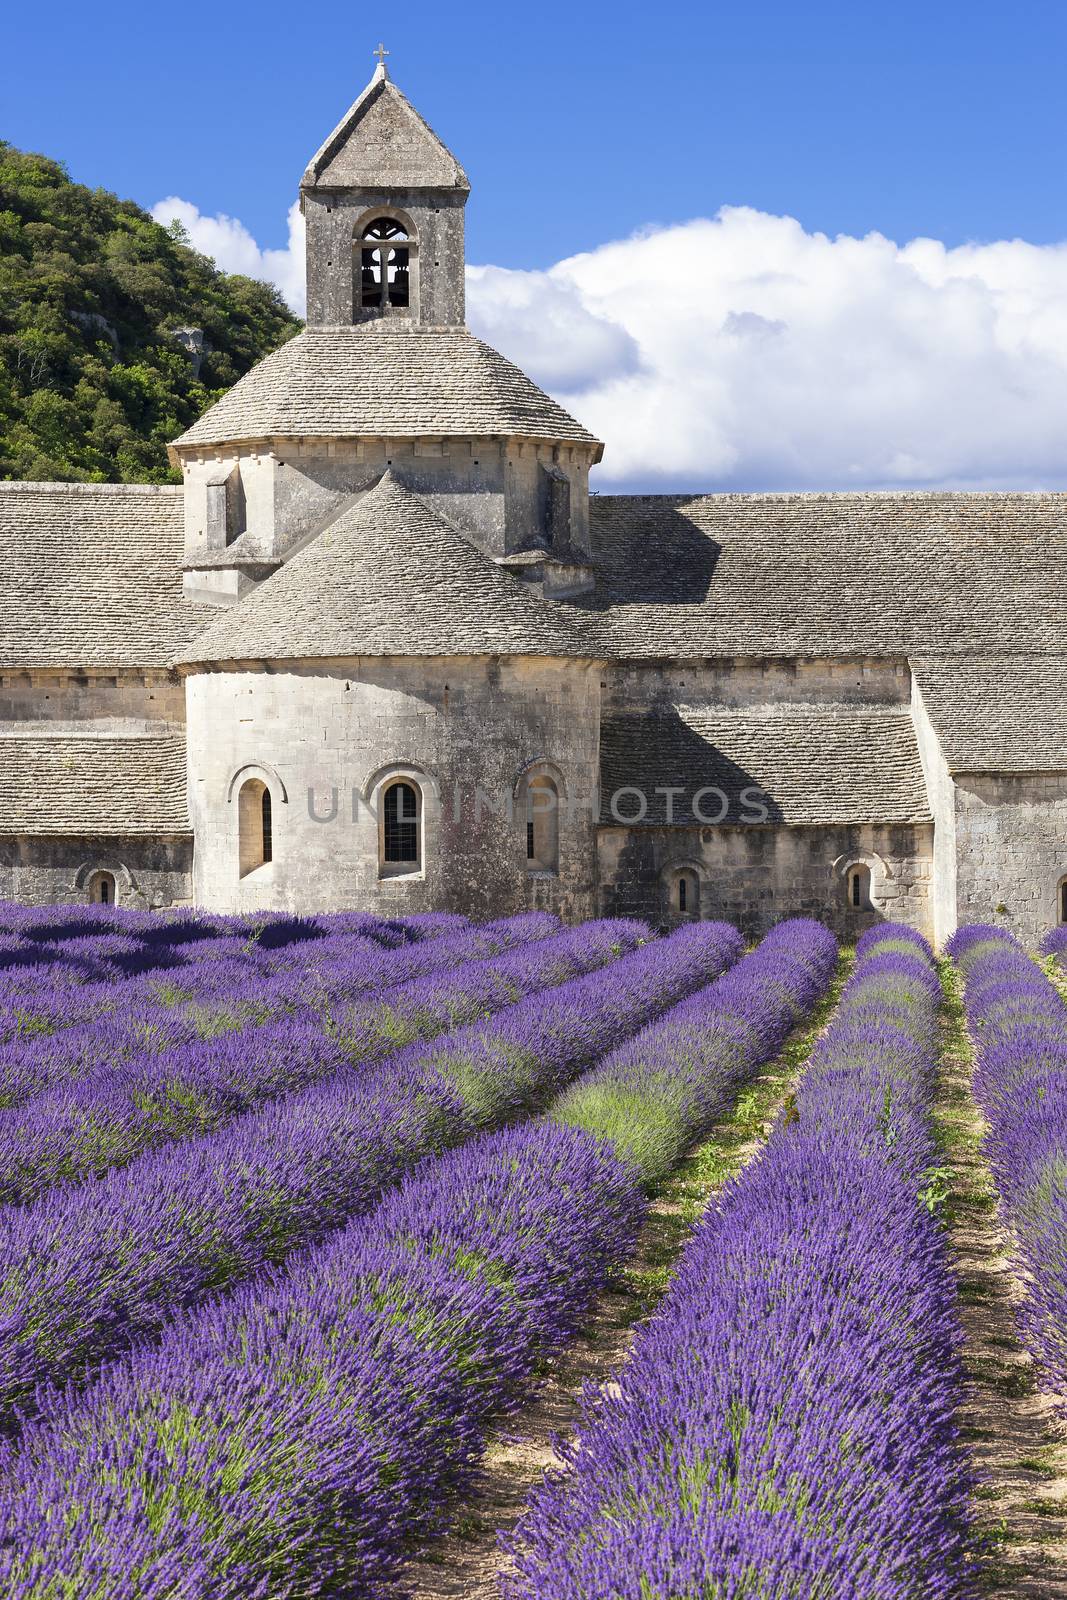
[(810, 764), (77, 783), (384, 379), (390, 577), (91, 576), (997, 713), (832, 575)]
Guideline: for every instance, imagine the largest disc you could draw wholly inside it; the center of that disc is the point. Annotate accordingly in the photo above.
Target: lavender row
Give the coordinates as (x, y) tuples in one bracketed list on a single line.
[(88, 1269), (358, 1384), (786, 1424), (82, 1130), (1018, 1022), (45, 986), (124, 1022)]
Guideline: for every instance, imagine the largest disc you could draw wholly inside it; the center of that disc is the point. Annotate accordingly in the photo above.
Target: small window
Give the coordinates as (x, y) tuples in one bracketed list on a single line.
[(255, 825), (1063, 899), (401, 827), (687, 894), (384, 254), (859, 888), (102, 889), (542, 825)]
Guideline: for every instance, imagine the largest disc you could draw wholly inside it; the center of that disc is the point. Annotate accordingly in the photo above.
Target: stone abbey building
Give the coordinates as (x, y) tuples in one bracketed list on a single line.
[(382, 649)]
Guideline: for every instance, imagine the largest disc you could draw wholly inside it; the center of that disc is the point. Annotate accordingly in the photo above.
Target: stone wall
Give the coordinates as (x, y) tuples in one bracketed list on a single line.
[(942, 795), (1011, 850), (464, 730), (434, 219), (655, 686), (137, 700), (754, 876), (148, 873)]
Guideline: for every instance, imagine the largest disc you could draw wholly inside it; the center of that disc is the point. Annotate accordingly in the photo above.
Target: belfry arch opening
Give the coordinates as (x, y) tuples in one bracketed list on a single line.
[(383, 259)]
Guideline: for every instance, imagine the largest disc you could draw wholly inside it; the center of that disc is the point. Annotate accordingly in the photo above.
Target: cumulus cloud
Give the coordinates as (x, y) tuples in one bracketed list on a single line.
[(742, 351), (230, 245)]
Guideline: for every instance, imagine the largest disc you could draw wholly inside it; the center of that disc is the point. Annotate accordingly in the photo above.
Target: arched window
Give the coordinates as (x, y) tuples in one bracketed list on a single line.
[(383, 255), (542, 825), (1062, 900), (255, 826), (687, 894), (400, 832), (859, 888), (101, 888)]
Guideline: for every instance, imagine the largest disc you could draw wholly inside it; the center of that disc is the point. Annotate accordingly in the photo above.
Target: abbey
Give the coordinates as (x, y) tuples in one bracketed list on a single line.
[(382, 650)]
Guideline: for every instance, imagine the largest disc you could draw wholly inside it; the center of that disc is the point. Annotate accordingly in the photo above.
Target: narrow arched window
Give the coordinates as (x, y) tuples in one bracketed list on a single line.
[(254, 826), (687, 894), (542, 825), (382, 265), (401, 829), (859, 888), (1063, 899), (102, 889)]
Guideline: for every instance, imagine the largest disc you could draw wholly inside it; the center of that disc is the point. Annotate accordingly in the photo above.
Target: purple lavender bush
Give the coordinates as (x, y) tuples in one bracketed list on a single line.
[(89, 1268), (1018, 1022), (785, 1427), (299, 1435), (111, 1116)]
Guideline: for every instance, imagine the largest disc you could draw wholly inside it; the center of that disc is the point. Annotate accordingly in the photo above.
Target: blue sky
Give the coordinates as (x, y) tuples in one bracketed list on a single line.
[(692, 225), (577, 122)]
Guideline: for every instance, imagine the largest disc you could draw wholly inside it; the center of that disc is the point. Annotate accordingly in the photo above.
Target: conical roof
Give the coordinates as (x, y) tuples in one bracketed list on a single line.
[(385, 380), (382, 142), (390, 578)]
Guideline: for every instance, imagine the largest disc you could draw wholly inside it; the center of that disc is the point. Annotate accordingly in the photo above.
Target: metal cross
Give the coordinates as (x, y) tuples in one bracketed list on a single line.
[(381, 53)]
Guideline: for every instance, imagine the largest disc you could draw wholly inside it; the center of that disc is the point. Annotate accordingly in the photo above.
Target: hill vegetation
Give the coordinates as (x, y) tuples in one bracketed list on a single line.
[(95, 376)]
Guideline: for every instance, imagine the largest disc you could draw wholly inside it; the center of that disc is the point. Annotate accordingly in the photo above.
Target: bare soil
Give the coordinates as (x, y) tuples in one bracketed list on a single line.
[(1012, 1427), (468, 1562)]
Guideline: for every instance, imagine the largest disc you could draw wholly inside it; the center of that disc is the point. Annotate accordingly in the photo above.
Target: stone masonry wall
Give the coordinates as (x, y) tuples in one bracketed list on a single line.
[(1011, 848), (149, 873), (343, 728), (754, 876)]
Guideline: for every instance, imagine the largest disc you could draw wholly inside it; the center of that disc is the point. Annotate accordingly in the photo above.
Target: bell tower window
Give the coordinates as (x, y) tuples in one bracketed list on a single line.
[(382, 266)]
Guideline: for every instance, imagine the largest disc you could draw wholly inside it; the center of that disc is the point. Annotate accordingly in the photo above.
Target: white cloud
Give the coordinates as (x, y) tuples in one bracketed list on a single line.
[(230, 245), (741, 351)]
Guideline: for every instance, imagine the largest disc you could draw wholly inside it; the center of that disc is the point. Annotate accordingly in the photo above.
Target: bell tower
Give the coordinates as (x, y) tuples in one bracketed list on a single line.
[(383, 201)]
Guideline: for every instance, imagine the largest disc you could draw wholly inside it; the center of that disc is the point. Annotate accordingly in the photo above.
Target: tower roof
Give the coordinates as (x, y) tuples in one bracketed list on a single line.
[(382, 142), (389, 577), (385, 379)]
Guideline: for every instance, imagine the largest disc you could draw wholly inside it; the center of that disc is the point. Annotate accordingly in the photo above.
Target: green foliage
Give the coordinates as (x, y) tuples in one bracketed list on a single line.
[(93, 382)]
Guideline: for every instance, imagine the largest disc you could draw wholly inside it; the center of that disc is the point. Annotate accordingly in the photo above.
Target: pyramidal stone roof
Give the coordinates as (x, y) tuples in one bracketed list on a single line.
[(389, 577), (385, 380), (382, 142)]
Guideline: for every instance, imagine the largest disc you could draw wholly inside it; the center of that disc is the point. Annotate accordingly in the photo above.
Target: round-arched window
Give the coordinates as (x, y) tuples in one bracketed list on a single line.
[(687, 894), (400, 834), (102, 889), (255, 826), (383, 253), (858, 884), (542, 825)]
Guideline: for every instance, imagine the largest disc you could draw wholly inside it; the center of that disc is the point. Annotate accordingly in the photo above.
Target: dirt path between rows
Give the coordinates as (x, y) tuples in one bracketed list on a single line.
[(1018, 1446), (466, 1564)]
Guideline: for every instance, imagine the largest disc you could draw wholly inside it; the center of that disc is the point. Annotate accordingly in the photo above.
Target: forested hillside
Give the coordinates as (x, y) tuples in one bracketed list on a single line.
[(94, 375)]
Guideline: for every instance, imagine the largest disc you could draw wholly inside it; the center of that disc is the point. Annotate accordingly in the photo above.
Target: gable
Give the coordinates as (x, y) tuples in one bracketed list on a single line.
[(383, 143)]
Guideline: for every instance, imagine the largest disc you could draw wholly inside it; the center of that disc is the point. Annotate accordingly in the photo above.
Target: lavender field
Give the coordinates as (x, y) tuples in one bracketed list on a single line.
[(301, 1215)]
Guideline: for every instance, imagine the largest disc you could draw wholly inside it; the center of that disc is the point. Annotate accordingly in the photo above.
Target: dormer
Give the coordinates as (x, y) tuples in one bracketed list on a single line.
[(383, 202)]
